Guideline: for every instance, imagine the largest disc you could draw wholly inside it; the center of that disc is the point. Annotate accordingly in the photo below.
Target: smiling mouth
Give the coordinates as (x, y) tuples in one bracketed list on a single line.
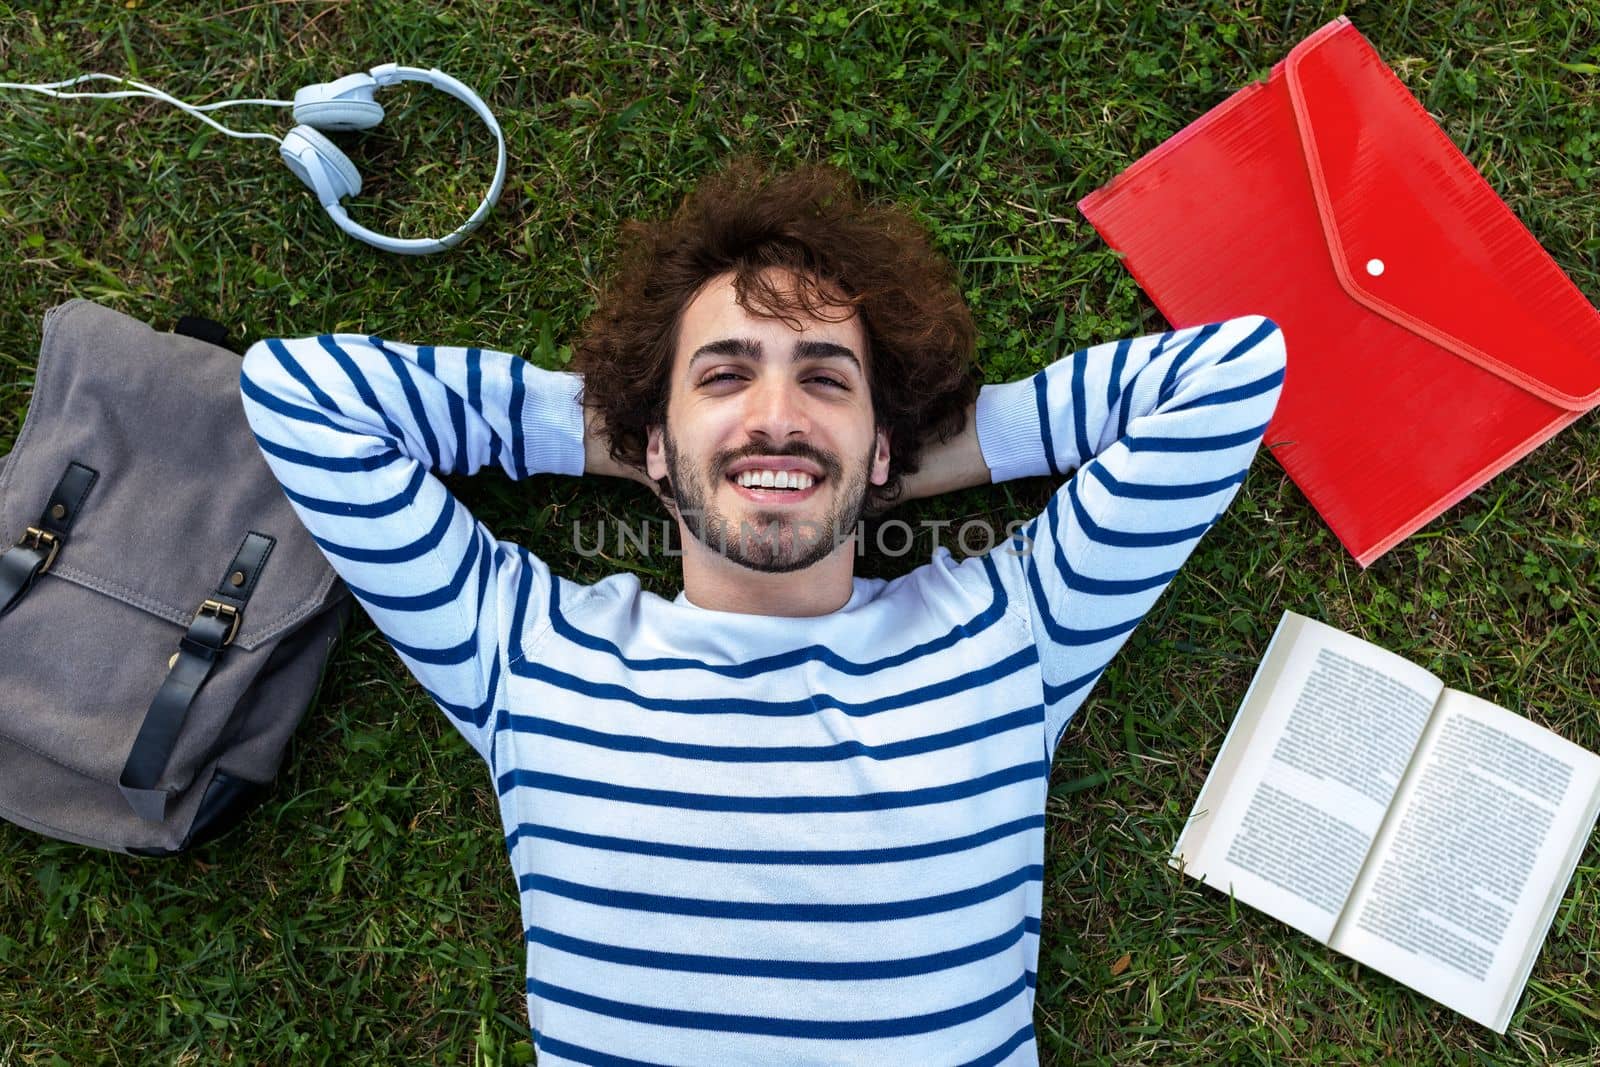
[(770, 496)]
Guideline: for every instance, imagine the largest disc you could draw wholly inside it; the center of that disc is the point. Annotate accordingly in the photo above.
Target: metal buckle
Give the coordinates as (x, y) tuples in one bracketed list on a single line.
[(221, 610), (36, 538)]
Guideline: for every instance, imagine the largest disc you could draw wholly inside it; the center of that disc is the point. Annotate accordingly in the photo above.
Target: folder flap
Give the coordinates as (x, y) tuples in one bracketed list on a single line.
[(1417, 235)]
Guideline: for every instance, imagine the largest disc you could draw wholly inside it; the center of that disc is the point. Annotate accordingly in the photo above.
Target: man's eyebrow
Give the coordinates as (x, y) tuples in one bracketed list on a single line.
[(737, 348), (743, 348), (825, 350)]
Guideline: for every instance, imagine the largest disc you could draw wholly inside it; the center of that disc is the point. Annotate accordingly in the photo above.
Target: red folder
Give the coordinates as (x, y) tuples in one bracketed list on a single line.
[(1431, 342)]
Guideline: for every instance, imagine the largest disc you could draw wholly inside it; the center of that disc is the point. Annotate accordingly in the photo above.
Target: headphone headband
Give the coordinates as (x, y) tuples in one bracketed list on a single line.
[(387, 74)]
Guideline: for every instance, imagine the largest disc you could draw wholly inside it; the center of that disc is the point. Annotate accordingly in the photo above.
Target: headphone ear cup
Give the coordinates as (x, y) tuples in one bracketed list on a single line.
[(345, 104), (304, 148), (339, 114)]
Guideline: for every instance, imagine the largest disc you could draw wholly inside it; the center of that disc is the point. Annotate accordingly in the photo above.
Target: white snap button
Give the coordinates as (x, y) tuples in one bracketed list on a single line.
[(1374, 267)]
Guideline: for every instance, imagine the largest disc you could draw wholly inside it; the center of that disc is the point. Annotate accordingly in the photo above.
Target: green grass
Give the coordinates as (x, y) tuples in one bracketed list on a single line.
[(366, 913)]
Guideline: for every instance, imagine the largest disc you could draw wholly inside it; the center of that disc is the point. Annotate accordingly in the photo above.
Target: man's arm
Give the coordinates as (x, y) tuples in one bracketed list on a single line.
[(946, 466), (354, 428), (1161, 430), (597, 456)]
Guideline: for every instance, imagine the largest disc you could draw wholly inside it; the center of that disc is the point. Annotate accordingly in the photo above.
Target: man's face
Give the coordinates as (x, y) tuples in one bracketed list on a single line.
[(750, 393)]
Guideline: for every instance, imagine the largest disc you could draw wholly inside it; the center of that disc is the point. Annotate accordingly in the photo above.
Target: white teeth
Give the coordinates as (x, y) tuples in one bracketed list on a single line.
[(775, 479)]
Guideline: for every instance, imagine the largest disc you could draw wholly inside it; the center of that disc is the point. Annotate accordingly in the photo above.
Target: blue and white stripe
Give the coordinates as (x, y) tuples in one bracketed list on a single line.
[(742, 838)]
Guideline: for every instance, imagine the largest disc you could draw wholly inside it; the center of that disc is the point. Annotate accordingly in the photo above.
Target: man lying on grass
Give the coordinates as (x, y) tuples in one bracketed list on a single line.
[(791, 815)]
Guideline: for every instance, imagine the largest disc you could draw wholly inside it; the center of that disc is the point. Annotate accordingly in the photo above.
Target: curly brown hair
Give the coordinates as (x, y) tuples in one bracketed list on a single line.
[(846, 254)]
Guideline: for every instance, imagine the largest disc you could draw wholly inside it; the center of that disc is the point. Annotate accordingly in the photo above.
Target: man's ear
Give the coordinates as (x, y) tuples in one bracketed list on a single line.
[(880, 459), (655, 465), (655, 456)]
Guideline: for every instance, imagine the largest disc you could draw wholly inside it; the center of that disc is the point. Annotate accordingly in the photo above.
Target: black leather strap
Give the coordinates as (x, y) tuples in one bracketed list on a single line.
[(207, 330), (199, 651), (21, 566)]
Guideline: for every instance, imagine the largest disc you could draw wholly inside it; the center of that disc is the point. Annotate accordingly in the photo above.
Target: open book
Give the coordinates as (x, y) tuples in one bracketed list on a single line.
[(1419, 830)]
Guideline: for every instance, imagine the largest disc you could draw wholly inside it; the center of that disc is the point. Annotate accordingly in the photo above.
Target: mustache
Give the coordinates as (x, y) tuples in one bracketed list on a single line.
[(828, 465)]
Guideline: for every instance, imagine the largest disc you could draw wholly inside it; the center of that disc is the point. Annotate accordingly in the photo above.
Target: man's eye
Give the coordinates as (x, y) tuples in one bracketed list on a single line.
[(815, 378)]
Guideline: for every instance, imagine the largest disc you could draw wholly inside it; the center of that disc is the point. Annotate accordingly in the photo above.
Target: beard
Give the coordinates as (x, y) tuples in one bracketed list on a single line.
[(770, 540)]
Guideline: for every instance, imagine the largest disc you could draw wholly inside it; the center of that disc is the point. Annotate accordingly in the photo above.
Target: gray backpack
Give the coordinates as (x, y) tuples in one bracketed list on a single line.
[(164, 616)]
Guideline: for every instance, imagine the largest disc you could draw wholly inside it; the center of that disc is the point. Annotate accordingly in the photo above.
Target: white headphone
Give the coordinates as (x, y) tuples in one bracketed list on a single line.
[(345, 104)]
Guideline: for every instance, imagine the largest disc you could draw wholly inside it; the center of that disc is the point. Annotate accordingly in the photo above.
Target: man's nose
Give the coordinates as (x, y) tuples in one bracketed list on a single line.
[(777, 410)]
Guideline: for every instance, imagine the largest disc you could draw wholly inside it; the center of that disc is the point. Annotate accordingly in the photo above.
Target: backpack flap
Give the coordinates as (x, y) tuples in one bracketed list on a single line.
[(180, 479)]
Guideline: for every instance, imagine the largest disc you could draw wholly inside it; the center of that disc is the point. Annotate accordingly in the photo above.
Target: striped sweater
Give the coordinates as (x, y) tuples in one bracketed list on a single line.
[(748, 839)]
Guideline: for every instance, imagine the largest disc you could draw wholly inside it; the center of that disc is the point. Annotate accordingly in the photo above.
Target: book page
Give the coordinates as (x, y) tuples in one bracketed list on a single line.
[(1311, 763), (1466, 876)]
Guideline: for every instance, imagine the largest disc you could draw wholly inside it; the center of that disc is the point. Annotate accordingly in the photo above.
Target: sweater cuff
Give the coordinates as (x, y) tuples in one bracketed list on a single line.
[(552, 422), (1009, 435)]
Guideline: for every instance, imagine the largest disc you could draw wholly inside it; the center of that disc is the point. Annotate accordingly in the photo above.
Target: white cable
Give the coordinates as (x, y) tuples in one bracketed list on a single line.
[(47, 89)]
